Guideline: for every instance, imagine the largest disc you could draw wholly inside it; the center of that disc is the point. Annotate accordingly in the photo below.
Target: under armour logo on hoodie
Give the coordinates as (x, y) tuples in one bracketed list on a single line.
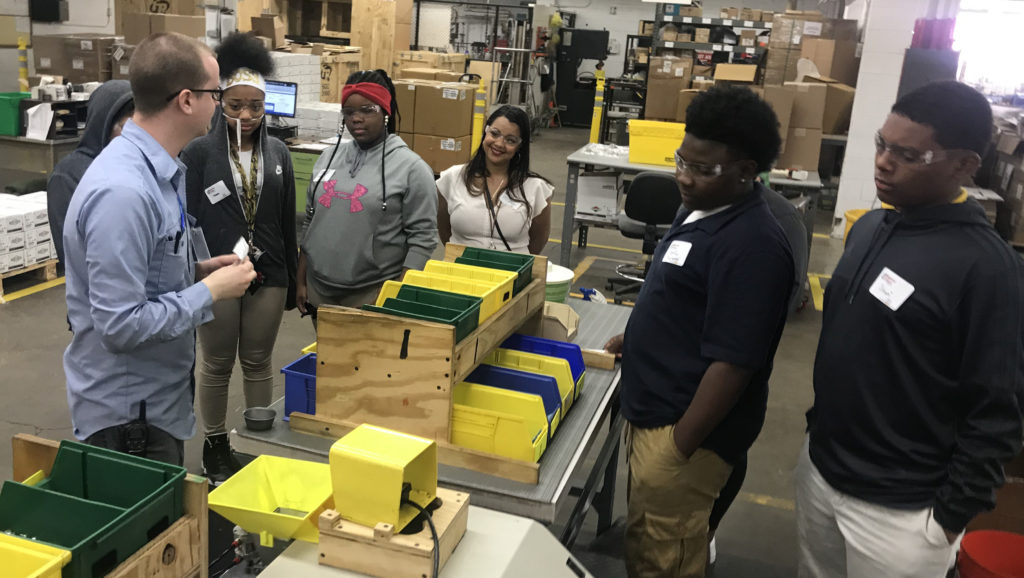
[(355, 205)]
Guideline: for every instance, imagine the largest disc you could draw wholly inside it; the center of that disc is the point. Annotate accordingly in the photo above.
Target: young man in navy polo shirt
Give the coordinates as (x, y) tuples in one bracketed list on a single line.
[(698, 348), (918, 375)]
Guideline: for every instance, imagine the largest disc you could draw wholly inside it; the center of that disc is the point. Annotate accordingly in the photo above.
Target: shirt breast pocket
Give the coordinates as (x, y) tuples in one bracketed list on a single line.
[(171, 266)]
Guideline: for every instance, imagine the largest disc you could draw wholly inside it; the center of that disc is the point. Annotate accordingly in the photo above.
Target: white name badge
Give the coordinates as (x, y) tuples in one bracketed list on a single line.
[(241, 249), (891, 289), (217, 192), (677, 253)]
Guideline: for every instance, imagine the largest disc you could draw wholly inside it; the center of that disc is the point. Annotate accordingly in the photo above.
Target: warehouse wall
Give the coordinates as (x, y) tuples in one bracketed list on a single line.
[(88, 16), (887, 34)]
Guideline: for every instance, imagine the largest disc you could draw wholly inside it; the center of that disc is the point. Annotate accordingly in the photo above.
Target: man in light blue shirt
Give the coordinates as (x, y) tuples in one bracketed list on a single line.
[(135, 290)]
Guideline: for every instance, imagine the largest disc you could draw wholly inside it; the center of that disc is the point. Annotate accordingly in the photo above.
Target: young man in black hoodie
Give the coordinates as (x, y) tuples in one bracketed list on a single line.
[(110, 106), (917, 379)]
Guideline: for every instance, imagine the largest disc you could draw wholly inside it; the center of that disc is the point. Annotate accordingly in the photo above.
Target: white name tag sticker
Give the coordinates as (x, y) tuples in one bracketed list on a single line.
[(677, 253), (891, 289), (241, 249), (218, 192)]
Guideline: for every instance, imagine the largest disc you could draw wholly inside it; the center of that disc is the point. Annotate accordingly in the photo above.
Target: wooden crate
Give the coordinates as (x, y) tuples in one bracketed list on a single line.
[(179, 551), (381, 552), (399, 373), (42, 272)]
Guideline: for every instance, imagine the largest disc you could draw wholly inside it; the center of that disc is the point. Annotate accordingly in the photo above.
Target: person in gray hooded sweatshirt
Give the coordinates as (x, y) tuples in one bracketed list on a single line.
[(110, 106), (371, 208)]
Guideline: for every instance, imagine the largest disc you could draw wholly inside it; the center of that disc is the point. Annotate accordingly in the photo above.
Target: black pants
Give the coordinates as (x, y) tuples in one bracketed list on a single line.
[(161, 446), (728, 493)]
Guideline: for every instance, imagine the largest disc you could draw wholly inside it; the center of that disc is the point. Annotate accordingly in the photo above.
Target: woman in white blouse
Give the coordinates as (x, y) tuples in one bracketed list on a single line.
[(495, 202)]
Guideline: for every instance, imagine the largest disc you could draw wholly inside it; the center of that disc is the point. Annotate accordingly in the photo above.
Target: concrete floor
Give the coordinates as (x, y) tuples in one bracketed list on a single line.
[(757, 537)]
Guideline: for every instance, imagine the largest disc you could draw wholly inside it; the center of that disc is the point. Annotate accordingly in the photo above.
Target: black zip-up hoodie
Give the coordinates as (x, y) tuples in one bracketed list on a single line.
[(920, 407)]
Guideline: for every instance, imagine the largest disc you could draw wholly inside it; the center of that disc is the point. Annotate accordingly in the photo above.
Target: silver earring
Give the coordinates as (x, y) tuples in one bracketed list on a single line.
[(743, 180)]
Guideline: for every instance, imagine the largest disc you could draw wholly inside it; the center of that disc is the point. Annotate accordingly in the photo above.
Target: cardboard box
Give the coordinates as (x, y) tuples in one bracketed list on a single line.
[(38, 235), (808, 105), (37, 254), (684, 99), (15, 241), (733, 13), (646, 28), (838, 106), (691, 11), (669, 34), (559, 322), (670, 67), (420, 73), (407, 138), (405, 94), (834, 58), (138, 25), (789, 30), (449, 76), (780, 66), (803, 149), (748, 38), (334, 71), (781, 100), (444, 109), (32, 211), (702, 35), (701, 85), (735, 73), (599, 194), (13, 260), (120, 59), (441, 153), (666, 76), (14, 27), (703, 71), (49, 56), (181, 7), (11, 219), (270, 26)]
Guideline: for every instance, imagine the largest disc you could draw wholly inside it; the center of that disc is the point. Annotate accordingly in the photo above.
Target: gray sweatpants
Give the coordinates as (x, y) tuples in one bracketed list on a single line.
[(245, 328)]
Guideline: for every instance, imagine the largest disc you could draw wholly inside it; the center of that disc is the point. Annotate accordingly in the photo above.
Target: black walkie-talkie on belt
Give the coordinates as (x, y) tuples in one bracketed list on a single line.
[(136, 433)]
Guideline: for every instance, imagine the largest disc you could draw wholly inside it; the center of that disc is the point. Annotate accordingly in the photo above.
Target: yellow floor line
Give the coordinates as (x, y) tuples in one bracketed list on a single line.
[(770, 501), (821, 236), (582, 267), (607, 247), (557, 204), (32, 290), (817, 292)]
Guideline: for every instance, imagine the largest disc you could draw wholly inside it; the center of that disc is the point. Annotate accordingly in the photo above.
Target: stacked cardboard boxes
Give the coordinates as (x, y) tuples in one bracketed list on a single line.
[(120, 59), (666, 77), (24, 232), (302, 69), (318, 120), (139, 25), (803, 139), (838, 105), (442, 121), (425, 59), (79, 58), (789, 33), (335, 68)]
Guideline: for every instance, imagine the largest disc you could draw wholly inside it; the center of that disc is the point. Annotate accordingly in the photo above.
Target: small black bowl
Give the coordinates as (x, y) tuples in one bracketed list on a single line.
[(259, 418)]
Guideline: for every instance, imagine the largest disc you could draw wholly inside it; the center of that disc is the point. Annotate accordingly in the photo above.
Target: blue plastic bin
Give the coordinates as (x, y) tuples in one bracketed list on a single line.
[(300, 385), (512, 379), (541, 346)]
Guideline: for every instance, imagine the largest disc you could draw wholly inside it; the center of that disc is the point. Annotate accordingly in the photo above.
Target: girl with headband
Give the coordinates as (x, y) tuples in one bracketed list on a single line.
[(371, 207), (241, 190)]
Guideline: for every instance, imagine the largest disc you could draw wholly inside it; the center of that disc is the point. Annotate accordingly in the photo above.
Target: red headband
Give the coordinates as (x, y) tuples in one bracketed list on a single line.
[(373, 92)]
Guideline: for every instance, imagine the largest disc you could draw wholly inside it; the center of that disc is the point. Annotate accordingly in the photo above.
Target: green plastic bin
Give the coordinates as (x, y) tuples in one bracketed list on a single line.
[(101, 505), (521, 264), (10, 112), (465, 321), (439, 298)]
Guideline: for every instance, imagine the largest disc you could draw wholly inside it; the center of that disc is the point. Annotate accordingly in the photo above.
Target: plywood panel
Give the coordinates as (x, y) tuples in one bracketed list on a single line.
[(373, 29)]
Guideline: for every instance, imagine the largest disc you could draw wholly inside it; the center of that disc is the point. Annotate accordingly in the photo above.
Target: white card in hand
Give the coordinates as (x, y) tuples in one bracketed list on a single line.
[(217, 192), (891, 289), (241, 249)]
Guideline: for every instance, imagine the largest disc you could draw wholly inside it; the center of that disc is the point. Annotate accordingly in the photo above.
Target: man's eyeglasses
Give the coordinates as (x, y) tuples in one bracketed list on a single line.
[(510, 140), (905, 155), (697, 169), (362, 112), (216, 93), (235, 108)]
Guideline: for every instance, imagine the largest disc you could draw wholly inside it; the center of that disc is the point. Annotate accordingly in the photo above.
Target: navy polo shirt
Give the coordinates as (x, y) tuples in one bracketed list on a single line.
[(717, 290)]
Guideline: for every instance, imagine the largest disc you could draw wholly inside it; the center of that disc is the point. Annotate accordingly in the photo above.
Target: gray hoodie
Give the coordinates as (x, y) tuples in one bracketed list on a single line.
[(352, 236)]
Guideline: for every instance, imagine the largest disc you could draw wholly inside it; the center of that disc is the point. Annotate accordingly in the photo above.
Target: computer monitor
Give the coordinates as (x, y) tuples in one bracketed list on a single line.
[(281, 98)]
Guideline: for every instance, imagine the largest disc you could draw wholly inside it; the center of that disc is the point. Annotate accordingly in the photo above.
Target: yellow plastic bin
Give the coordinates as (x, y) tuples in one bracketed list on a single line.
[(505, 279), (852, 216), (490, 293), (27, 559), (541, 364), (652, 142), (276, 498), (498, 421)]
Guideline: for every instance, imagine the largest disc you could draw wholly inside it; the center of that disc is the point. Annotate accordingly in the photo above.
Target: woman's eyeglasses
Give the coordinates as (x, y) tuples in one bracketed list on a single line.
[(362, 112), (235, 108), (510, 140)]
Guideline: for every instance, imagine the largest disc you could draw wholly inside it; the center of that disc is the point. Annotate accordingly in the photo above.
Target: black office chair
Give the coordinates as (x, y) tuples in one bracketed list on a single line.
[(651, 205)]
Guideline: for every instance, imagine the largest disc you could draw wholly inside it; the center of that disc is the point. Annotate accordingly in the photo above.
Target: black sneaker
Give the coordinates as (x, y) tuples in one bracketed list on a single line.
[(219, 461)]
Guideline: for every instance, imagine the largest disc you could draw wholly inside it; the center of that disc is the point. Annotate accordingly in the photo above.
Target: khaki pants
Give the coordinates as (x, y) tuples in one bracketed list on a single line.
[(670, 499)]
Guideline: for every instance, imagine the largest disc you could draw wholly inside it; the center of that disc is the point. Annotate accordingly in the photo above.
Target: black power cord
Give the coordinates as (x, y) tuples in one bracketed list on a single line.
[(406, 490)]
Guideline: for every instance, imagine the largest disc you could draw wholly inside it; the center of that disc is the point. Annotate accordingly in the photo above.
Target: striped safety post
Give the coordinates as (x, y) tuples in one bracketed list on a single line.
[(479, 115), (22, 64), (595, 122)]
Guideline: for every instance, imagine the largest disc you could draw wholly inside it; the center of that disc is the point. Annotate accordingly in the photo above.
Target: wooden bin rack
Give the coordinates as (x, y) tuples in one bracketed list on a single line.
[(399, 373), (181, 551)]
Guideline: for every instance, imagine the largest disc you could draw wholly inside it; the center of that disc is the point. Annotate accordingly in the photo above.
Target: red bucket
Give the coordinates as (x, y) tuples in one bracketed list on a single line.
[(991, 554)]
